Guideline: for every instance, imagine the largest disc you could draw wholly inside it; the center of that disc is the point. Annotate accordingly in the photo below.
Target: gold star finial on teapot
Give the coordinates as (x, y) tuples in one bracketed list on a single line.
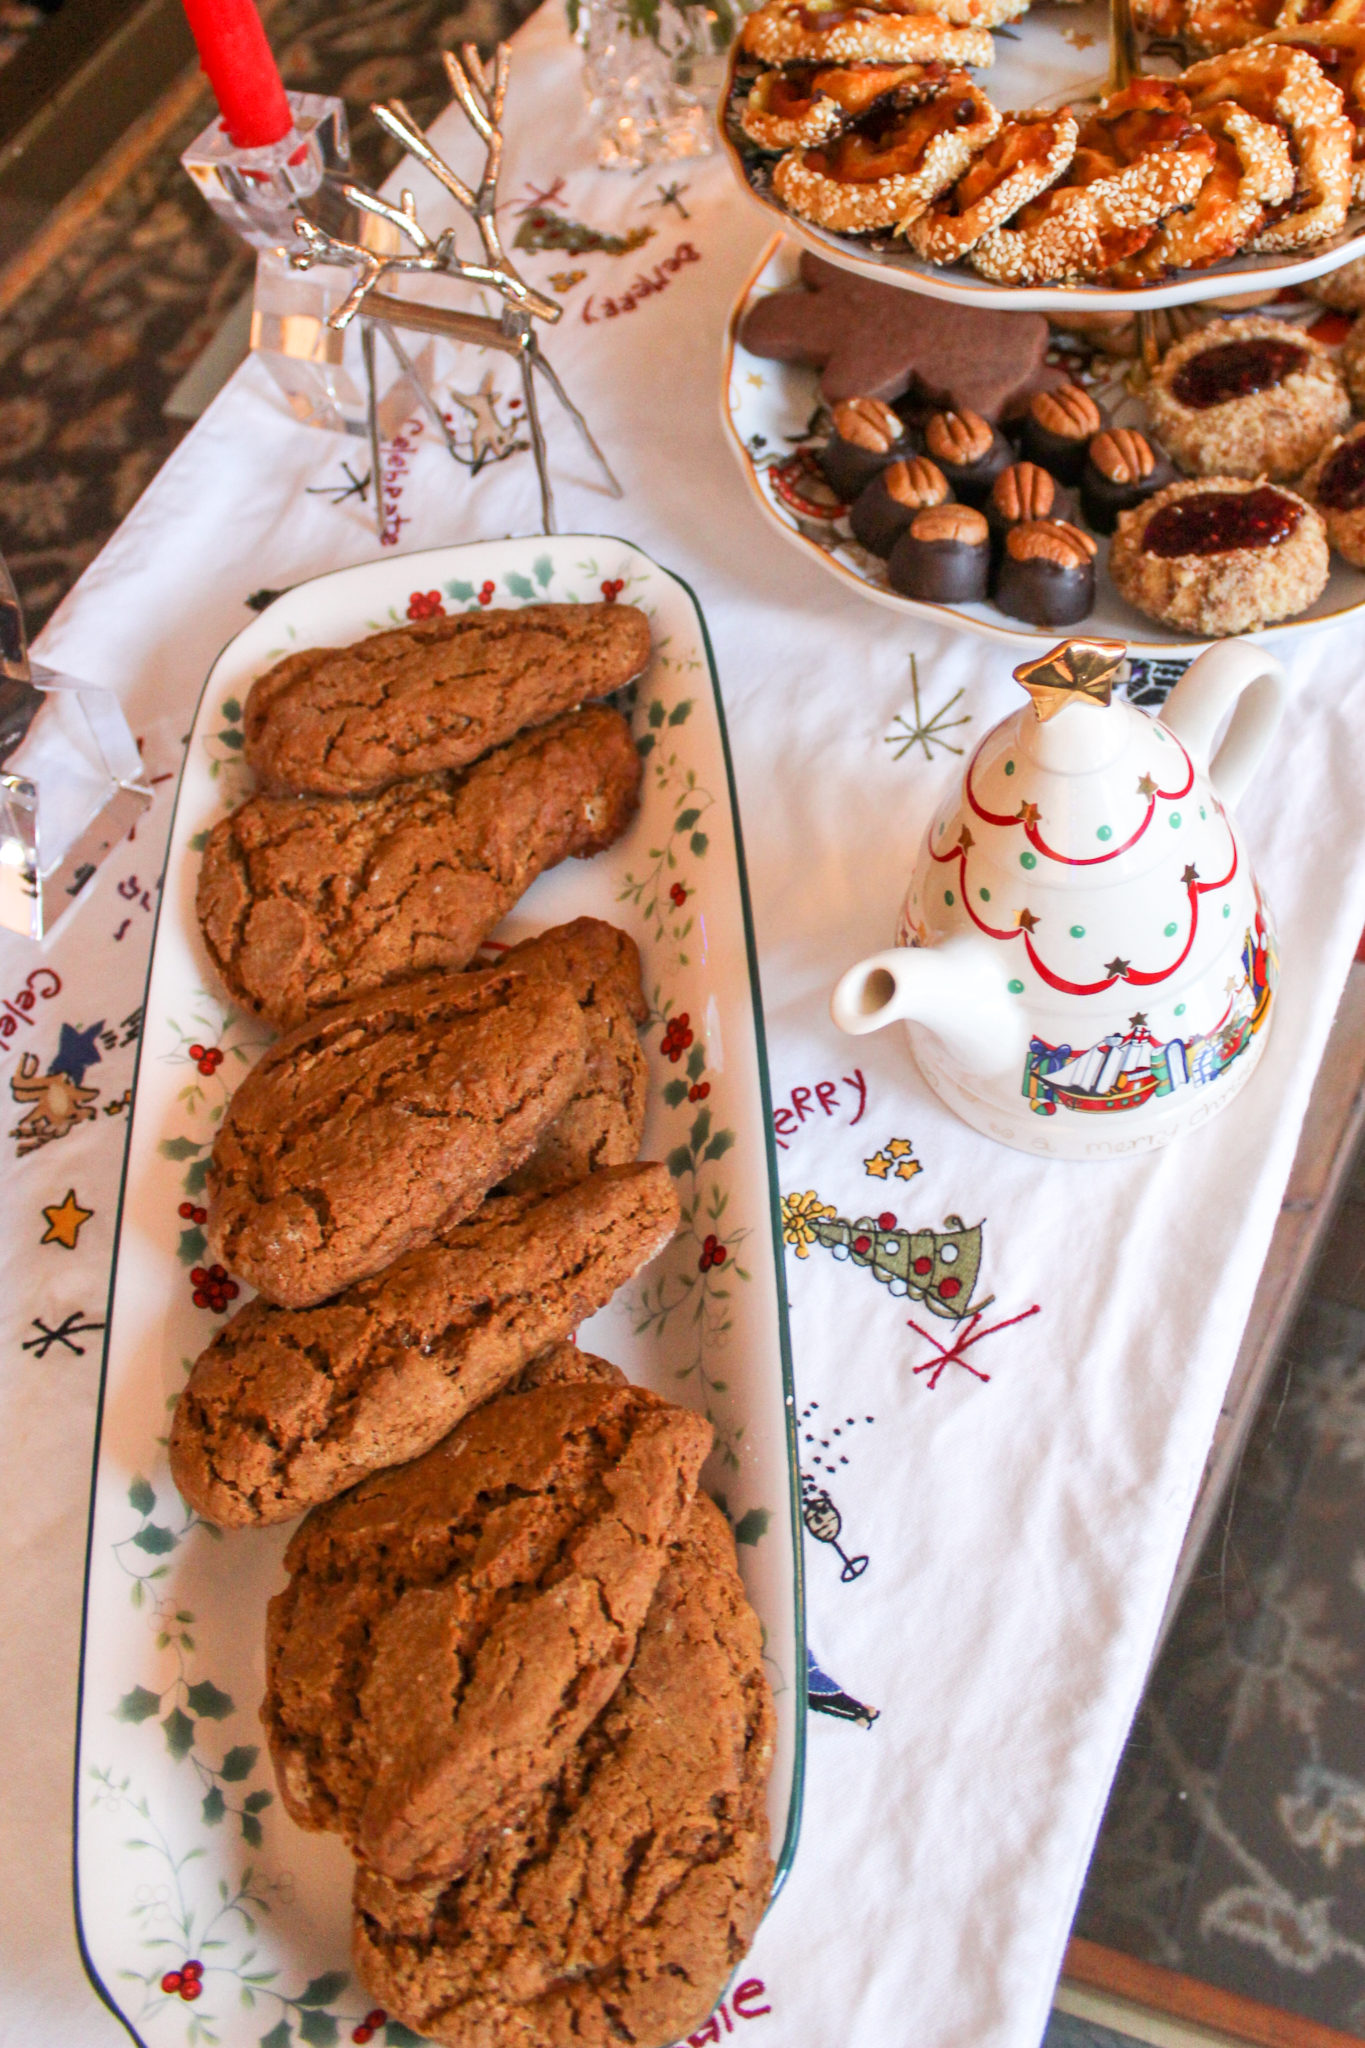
[(1076, 672)]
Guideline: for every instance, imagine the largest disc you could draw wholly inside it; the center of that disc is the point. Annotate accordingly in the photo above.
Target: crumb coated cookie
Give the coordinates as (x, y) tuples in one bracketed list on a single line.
[(616, 1907), (1220, 555), (345, 721), (1343, 290), (451, 1628), (308, 901), (288, 1407), (1248, 397), (604, 1119), (1336, 485), (367, 1131)]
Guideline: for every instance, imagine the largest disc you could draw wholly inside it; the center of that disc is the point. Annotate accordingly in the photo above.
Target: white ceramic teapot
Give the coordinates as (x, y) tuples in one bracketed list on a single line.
[(1085, 961)]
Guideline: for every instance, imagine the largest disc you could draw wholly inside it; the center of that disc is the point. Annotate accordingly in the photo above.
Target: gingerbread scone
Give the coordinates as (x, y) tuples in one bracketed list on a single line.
[(870, 339), (367, 1131), (616, 1908), (1220, 555), (451, 1628), (886, 171), (808, 104), (604, 1118), (347, 721), (1277, 84), (875, 32), (1027, 155), (1252, 173), (565, 1365), (1138, 158), (1336, 486), (289, 1407), (1248, 397), (308, 901)]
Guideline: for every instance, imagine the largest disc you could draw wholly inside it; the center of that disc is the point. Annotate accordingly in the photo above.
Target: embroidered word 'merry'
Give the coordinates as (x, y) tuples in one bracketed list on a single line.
[(826, 1094)]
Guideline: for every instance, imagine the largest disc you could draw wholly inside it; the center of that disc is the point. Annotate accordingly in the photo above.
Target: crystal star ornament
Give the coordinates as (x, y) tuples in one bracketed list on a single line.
[(1076, 672)]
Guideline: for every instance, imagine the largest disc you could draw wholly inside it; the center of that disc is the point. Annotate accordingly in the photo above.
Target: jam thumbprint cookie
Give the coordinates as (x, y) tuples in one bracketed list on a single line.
[(1248, 398), (1220, 555)]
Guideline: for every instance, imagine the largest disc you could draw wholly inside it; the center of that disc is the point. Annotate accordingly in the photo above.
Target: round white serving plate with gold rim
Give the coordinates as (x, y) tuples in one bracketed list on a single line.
[(1053, 56), (767, 409)]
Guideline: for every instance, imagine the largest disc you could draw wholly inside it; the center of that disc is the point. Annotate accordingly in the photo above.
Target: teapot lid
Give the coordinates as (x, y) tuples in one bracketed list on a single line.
[(1075, 672)]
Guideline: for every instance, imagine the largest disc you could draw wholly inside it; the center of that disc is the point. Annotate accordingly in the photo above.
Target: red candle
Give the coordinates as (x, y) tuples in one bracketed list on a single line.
[(240, 68)]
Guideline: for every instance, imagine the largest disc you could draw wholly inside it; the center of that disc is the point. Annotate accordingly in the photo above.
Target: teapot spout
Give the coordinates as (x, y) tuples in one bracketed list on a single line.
[(957, 991)]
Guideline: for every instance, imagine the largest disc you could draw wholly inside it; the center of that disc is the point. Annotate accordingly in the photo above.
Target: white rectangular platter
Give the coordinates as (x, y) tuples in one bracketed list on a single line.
[(183, 1852)]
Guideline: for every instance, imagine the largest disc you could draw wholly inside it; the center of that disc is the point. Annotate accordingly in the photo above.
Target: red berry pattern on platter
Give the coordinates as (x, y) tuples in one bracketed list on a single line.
[(187, 1982), (213, 1288), (208, 1059), (426, 604), (677, 1037)]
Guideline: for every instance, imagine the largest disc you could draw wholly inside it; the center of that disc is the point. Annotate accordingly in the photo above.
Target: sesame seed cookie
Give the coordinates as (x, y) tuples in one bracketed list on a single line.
[(887, 171), (1252, 172), (1027, 155), (1277, 84), (1220, 555), (808, 32), (808, 104), (1248, 397)]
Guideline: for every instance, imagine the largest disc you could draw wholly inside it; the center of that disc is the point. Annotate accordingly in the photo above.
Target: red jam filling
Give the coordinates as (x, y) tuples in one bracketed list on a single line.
[(1236, 369), (1216, 522), (1341, 487)]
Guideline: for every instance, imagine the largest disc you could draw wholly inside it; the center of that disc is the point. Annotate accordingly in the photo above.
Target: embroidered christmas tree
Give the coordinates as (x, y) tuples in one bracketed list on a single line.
[(938, 1267)]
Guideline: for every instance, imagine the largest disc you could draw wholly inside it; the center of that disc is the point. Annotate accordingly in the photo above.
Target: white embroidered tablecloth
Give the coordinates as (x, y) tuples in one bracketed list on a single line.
[(997, 1528)]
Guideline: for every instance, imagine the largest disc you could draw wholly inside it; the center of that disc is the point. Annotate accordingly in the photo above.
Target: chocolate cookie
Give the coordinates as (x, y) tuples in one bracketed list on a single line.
[(369, 1130), (288, 1407), (451, 1628), (874, 339), (604, 1119), (617, 1906), (346, 721), (308, 901)]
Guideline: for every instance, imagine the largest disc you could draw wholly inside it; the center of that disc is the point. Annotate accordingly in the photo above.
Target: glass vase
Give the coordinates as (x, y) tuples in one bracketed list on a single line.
[(652, 72)]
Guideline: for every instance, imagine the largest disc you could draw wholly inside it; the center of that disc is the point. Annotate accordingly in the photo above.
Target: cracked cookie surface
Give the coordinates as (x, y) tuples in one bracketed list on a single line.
[(308, 901), (368, 1130), (346, 721), (615, 1908), (604, 1119), (451, 1628), (288, 1407)]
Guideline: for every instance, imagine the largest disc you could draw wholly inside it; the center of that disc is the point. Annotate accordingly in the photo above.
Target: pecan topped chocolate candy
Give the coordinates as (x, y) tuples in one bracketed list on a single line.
[(892, 499), (1122, 468), (970, 452), (1023, 491), (1057, 427), (943, 557), (867, 436), (1047, 573)]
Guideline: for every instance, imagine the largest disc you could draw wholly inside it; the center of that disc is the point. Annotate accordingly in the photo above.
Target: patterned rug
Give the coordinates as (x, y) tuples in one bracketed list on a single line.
[(1233, 1848), (92, 347)]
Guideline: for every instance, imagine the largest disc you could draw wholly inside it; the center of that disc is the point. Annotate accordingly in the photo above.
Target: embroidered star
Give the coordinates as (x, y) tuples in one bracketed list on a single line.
[(906, 1169), (1146, 786), (1117, 967), (1077, 672), (1026, 921), (64, 1222), (965, 840), (1028, 814), (878, 1165), (1190, 876), (899, 1147)]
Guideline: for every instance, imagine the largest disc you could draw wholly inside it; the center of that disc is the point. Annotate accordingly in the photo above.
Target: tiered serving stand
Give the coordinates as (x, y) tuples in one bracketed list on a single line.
[(1049, 58)]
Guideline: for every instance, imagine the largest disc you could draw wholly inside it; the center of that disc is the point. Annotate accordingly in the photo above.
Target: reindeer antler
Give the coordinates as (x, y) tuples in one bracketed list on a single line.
[(481, 100)]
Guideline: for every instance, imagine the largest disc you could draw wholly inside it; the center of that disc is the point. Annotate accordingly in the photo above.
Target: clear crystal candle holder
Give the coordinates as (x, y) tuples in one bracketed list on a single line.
[(258, 193), (652, 76)]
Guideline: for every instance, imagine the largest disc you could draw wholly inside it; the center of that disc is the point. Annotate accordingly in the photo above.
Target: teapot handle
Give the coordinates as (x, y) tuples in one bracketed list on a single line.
[(1232, 677)]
